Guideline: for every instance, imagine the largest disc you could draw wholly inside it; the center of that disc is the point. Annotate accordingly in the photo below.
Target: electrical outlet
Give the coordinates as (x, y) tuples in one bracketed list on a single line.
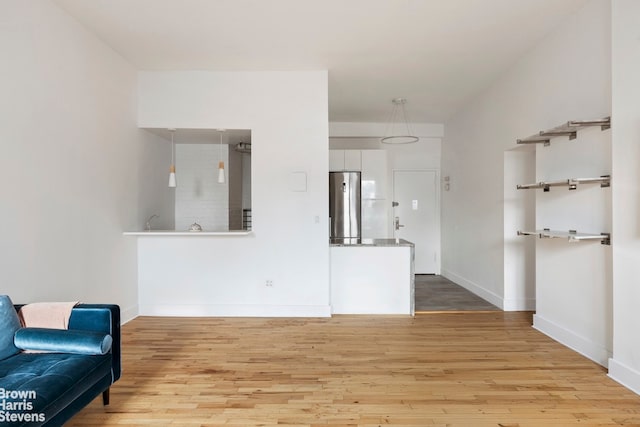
[(269, 283)]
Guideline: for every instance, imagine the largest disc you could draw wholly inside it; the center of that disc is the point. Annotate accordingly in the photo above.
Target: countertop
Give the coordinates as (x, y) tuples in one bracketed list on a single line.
[(187, 233), (369, 242)]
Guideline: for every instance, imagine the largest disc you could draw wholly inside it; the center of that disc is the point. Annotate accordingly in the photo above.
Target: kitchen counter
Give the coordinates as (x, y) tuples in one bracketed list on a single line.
[(168, 233), (220, 274), (367, 276), (369, 242), (372, 276)]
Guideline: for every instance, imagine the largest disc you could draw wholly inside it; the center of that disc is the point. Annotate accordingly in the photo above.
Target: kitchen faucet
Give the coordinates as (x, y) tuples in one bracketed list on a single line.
[(148, 223)]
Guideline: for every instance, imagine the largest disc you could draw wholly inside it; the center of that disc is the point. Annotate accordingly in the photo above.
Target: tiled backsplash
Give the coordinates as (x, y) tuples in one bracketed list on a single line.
[(199, 196)]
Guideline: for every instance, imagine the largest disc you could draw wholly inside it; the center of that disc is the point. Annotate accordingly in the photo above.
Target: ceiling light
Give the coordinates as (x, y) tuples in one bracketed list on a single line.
[(172, 168), (243, 147), (221, 179), (403, 135)]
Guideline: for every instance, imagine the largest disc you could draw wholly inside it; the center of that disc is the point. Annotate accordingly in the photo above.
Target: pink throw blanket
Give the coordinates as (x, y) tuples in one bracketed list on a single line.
[(53, 315)]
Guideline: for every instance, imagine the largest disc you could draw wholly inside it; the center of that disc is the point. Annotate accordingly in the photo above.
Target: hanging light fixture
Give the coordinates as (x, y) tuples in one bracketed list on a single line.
[(404, 135), (221, 178), (172, 168)]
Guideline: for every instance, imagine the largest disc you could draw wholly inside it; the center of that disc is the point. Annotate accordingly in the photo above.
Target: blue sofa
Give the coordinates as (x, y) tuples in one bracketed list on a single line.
[(48, 388)]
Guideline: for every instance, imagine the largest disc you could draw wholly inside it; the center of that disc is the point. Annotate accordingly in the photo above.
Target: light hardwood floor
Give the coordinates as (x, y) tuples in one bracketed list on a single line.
[(459, 369)]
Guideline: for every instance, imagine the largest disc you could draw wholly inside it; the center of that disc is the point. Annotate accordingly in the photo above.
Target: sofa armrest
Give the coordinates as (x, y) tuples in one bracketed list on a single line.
[(72, 341), (104, 318)]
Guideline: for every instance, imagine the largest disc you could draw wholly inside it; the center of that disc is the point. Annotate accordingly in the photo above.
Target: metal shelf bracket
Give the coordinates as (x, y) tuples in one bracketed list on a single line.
[(572, 235), (569, 129), (571, 183)]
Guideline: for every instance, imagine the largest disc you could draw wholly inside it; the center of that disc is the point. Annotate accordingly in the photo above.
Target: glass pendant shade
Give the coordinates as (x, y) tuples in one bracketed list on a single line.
[(172, 176), (221, 178)]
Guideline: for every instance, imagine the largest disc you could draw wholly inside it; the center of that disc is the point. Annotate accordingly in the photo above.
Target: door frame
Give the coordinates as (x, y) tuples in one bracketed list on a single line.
[(437, 203)]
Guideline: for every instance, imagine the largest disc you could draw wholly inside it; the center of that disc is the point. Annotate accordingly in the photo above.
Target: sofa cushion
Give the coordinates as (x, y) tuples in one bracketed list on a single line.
[(63, 341), (53, 380), (9, 324)]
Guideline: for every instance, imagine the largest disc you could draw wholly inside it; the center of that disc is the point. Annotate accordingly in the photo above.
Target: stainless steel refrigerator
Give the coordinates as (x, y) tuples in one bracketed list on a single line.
[(344, 205)]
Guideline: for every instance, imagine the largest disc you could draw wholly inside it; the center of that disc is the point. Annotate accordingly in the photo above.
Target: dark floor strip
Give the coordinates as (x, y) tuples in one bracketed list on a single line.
[(436, 293)]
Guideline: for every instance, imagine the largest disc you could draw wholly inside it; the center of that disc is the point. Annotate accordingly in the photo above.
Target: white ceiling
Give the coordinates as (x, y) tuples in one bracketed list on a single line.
[(435, 53)]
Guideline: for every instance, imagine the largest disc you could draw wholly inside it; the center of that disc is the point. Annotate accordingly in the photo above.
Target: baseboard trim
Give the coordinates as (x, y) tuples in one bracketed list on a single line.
[(128, 314), (474, 287), (233, 310), (623, 374), (582, 345), (525, 304)]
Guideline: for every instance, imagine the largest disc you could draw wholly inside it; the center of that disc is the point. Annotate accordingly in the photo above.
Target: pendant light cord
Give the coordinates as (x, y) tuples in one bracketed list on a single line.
[(398, 109), (391, 121), (398, 112), (406, 119), (173, 149)]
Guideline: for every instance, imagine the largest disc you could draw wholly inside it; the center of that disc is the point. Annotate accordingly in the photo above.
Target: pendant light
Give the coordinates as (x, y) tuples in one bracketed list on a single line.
[(221, 178), (172, 168), (403, 136)]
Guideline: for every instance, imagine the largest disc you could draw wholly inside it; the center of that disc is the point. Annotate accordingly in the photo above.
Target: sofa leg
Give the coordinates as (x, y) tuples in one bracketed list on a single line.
[(105, 397)]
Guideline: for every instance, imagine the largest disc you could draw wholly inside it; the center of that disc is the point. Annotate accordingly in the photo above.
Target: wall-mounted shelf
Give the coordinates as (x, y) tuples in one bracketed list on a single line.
[(571, 183), (569, 129), (572, 235)]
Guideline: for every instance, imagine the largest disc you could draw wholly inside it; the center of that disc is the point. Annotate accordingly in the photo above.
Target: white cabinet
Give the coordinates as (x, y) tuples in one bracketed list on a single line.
[(336, 160), (372, 163), (372, 279), (345, 160), (374, 219), (374, 174), (374, 186), (375, 206), (352, 160)]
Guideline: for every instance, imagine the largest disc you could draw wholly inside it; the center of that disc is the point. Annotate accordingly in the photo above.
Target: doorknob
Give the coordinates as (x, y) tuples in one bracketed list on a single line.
[(398, 225)]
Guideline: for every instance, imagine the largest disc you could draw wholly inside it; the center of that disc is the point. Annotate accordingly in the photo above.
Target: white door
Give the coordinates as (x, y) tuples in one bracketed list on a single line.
[(415, 216)]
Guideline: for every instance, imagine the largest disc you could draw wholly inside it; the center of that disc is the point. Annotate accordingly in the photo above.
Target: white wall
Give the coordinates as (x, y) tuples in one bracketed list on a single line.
[(154, 195), (575, 275), (74, 161), (287, 114), (566, 76), (625, 364), (519, 214)]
